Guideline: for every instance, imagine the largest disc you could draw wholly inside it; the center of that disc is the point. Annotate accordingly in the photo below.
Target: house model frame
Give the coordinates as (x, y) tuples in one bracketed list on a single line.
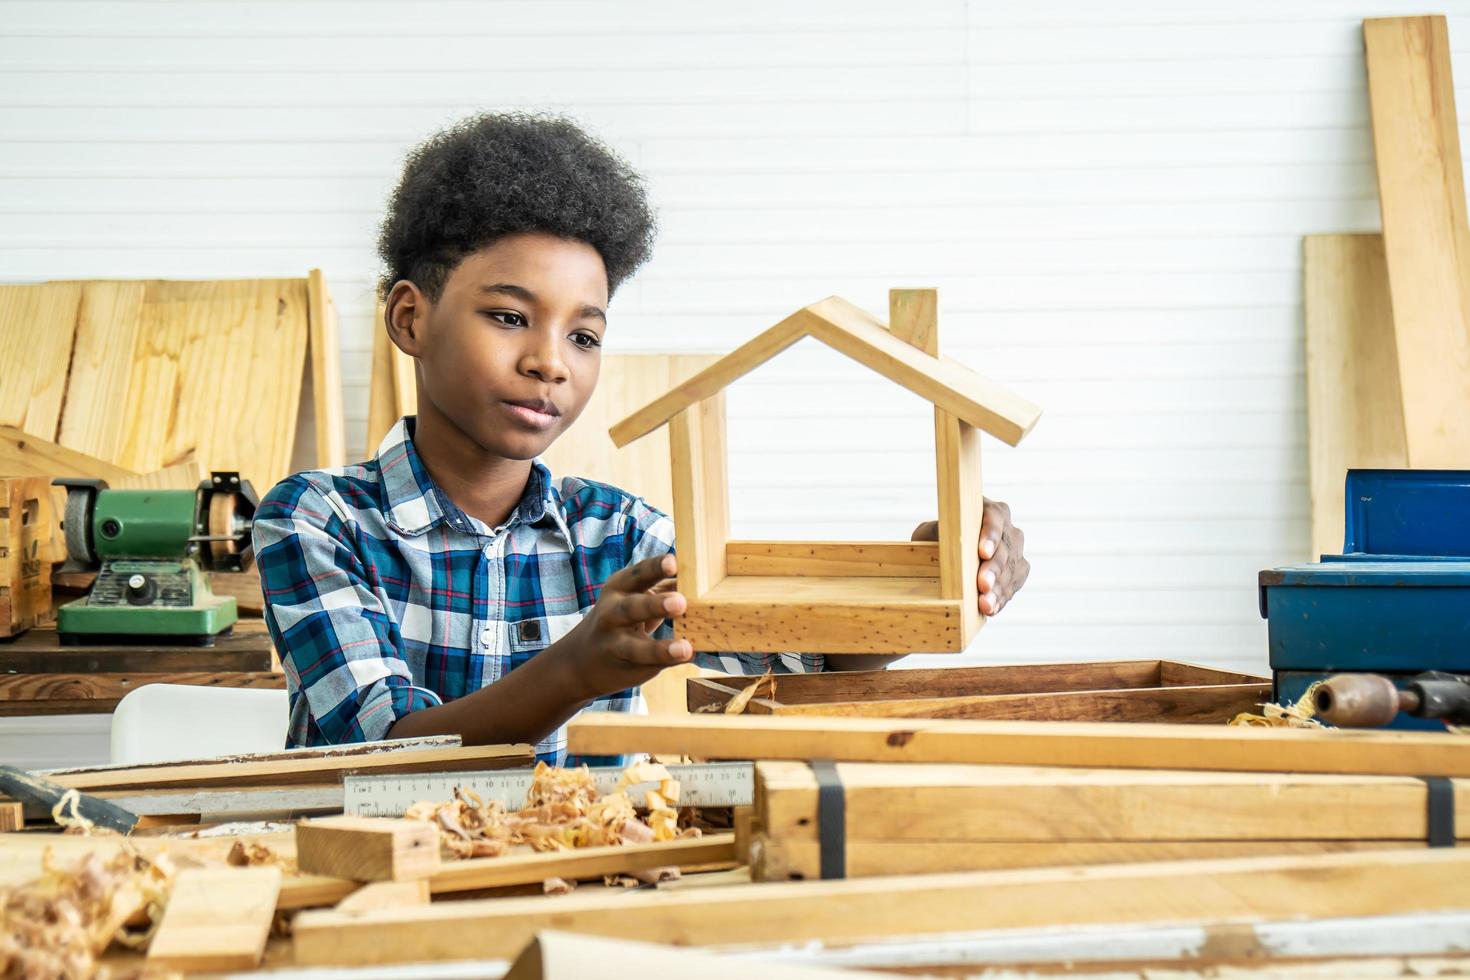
[(834, 597)]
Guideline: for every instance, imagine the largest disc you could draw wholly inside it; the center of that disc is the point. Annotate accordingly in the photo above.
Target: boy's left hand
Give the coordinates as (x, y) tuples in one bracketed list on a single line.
[(1003, 567)]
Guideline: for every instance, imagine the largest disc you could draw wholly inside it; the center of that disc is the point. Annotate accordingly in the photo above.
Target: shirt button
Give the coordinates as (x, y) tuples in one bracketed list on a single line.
[(486, 636)]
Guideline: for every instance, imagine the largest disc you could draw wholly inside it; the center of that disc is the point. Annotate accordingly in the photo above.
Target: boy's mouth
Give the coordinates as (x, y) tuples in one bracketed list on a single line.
[(536, 413)]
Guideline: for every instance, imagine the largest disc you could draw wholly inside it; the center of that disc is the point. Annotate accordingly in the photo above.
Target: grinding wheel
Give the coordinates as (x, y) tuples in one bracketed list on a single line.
[(223, 523)]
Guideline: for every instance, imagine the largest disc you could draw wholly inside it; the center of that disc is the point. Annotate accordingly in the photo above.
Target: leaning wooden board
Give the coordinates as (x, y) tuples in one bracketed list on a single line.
[(1132, 690), (1026, 743)]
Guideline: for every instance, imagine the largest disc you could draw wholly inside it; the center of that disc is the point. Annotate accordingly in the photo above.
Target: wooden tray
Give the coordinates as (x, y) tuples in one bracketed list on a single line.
[(1121, 690)]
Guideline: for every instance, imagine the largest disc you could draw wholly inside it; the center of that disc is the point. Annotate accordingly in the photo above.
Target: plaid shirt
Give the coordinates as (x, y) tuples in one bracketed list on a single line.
[(384, 597)]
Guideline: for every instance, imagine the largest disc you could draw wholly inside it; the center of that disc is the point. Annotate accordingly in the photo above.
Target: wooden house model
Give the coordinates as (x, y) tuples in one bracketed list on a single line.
[(834, 597)]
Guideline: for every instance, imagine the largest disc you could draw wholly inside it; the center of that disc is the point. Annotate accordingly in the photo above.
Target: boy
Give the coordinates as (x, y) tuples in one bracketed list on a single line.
[(449, 585)]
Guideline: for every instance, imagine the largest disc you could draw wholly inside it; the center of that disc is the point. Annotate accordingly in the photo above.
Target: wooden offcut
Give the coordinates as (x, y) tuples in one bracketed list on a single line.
[(1130, 690), (1355, 409), (757, 596), (216, 919), (29, 544), (368, 848), (1025, 743), (386, 895), (1421, 192), (1252, 889)]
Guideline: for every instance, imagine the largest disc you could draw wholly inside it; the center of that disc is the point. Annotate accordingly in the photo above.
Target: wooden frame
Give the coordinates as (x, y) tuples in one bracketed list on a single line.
[(1128, 690), (829, 597)]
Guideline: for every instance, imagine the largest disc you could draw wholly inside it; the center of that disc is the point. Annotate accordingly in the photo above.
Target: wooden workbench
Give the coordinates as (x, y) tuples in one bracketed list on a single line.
[(40, 676)]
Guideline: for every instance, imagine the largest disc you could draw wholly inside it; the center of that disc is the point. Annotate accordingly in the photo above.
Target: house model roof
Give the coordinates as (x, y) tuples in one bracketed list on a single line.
[(855, 332)]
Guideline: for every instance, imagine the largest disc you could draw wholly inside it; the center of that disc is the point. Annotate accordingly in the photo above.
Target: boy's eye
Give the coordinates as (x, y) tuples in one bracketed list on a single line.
[(509, 317), (586, 341)]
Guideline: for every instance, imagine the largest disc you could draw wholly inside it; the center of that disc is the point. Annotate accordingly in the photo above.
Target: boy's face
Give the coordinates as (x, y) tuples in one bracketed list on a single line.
[(510, 351)]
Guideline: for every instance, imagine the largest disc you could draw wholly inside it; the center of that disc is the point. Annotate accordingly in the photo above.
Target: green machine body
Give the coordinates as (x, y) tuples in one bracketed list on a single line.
[(151, 550)]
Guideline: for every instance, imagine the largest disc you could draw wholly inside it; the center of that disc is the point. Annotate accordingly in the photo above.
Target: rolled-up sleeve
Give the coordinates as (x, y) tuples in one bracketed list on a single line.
[(650, 533), (340, 649)]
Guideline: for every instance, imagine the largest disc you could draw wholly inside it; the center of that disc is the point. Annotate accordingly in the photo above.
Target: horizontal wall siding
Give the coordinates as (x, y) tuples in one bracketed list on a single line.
[(1110, 198)]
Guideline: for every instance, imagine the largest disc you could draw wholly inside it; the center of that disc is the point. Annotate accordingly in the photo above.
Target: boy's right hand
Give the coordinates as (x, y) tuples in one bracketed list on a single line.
[(611, 648)]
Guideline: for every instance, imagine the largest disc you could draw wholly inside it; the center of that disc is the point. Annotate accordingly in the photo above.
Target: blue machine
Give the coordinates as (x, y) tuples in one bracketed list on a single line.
[(1396, 602)]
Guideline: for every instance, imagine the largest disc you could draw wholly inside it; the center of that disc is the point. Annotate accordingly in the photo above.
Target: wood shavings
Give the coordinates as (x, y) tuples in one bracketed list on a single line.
[(57, 925), (738, 703), (558, 886), (563, 811), (253, 854), (67, 815), (1301, 714)]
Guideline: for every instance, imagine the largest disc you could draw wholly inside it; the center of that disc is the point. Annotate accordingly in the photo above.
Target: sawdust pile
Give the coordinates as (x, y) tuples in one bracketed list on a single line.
[(57, 925), (563, 811), (1302, 714)]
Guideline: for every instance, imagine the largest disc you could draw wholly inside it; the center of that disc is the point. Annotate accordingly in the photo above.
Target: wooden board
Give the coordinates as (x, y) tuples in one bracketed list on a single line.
[(564, 956), (851, 559), (476, 874), (1421, 193), (1025, 743), (37, 325), (29, 543), (1355, 411), (1130, 690), (326, 372), (101, 364), (701, 501), (218, 371), (368, 848), (383, 404), (386, 894), (22, 454), (216, 919), (304, 770), (1023, 803), (626, 381), (1329, 885), (792, 859), (55, 693)]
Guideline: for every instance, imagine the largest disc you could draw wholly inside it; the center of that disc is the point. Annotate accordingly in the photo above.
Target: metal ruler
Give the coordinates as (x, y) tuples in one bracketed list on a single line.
[(700, 784)]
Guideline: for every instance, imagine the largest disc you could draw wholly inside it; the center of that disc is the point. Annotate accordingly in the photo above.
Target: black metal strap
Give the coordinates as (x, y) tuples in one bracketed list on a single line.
[(1441, 811), (831, 819)]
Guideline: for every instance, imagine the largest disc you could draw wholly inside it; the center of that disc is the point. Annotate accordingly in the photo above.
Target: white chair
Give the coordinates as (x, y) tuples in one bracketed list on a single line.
[(159, 722)]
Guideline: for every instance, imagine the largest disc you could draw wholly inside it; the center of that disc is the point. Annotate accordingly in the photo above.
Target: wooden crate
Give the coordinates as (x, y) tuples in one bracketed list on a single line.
[(29, 544), (1124, 690)]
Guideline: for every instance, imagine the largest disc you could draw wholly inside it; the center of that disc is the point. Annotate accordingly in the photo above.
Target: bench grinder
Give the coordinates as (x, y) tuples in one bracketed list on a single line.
[(151, 549)]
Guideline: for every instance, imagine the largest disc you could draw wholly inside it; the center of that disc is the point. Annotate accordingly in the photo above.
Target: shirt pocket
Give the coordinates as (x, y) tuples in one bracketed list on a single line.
[(538, 632)]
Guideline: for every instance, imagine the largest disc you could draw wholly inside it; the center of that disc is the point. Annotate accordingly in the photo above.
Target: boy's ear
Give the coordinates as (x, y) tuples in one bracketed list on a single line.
[(406, 315)]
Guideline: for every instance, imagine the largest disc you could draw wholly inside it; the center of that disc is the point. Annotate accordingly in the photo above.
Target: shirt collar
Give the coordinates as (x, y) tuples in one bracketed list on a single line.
[(415, 504)]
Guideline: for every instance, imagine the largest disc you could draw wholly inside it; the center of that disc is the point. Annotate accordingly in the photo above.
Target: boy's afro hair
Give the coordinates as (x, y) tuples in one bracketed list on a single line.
[(496, 174)]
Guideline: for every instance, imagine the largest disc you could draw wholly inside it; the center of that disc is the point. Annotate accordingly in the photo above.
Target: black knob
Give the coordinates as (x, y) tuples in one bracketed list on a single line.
[(141, 590)]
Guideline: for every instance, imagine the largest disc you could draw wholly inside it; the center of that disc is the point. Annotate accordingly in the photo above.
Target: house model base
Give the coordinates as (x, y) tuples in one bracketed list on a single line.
[(834, 597)]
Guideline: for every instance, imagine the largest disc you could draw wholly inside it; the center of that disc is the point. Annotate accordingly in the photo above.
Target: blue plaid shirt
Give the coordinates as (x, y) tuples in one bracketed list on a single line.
[(384, 597)]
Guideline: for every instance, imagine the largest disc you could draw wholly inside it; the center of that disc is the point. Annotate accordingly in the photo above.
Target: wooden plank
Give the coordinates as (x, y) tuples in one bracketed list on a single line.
[(1421, 192), (852, 559), (526, 868), (713, 379), (383, 407), (1355, 410), (386, 895), (216, 919), (246, 650), (403, 370), (1174, 673), (1022, 803), (29, 543), (1316, 885), (37, 327), (90, 693), (101, 364), (913, 317), (821, 622), (325, 353), (244, 586), (701, 498), (193, 334), (626, 382), (883, 685), (295, 771), (949, 384), (1204, 705), (794, 859), (957, 462), (12, 817), (564, 956), (1024, 743), (368, 848), (290, 755), (24, 454)]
